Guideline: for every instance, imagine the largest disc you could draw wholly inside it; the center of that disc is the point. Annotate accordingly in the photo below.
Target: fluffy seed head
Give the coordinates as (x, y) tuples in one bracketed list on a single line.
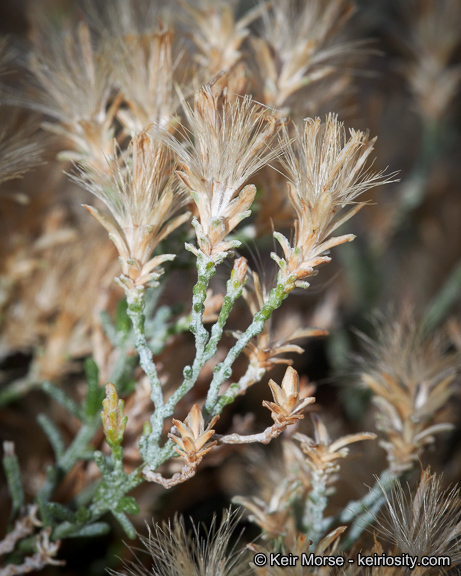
[(141, 197), (232, 141), (326, 171)]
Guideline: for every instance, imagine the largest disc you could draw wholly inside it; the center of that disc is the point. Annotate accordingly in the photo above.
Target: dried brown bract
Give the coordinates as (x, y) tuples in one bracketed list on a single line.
[(287, 405), (194, 436)]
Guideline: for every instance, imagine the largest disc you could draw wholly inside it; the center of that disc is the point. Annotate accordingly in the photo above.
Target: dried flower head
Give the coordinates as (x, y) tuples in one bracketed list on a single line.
[(232, 141), (327, 171), (412, 376), (192, 444), (142, 200), (217, 33), (143, 69), (287, 405), (193, 436), (177, 552), (75, 88), (285, 411), (426, 523), (322, 452), (431, 41), (298, 46)]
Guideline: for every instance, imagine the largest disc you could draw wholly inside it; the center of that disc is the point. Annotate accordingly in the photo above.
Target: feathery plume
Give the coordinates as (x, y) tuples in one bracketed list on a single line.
[(142, 66), (327, 171), (232, 141), (142, 199), (75, 88), (176, 552), (298, 47)]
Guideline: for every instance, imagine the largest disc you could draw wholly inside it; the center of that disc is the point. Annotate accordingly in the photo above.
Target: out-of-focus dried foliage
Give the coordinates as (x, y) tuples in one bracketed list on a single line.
[(411, 375), (298, 47), (75, 87), (431, 40), (425, 522), (143, 69), (217, 32), (175, 551), (20, 148)]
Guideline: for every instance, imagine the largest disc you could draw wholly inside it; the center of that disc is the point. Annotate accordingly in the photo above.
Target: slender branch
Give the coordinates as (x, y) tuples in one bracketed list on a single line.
[(264, 437), (234, 290), (135, 301), (253, 374), (223, 371), (206, 344), (364, 511)]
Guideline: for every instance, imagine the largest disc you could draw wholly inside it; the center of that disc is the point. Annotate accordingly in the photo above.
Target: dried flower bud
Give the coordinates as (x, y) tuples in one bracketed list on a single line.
[(193, 435), (287, 405), (240, 270), (112, 416)]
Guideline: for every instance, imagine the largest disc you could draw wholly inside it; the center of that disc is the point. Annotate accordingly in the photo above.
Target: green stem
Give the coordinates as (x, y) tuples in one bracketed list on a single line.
[(204, 353), (206, 345), (135, 301), (223, 371), (253, 374)]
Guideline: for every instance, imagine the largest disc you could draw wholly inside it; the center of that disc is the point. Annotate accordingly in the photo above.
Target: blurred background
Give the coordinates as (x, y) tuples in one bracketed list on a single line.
[(401, 81)]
